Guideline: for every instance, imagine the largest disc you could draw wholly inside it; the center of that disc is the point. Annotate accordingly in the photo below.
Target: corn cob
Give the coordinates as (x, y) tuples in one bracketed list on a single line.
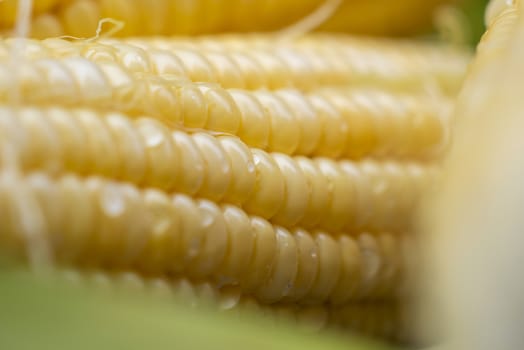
[(103, 224), (166, 17), (309, 192), (381, 319), (334, 123), (170, 120), (481, 180)]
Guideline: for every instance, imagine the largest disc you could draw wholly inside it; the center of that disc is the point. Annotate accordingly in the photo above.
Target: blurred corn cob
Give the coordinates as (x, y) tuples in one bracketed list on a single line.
[(9, 8), (80, 18), (291, 178), (474, 224)]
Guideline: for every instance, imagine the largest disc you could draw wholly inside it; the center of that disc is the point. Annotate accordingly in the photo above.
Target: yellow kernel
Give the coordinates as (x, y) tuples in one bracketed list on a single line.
[(214, 245), (88, 76), (79, 219), (251, 71), (194, 107), (130, 148), (243, 170), (350, 271), (269, 194), (334, 128), (284, 270), (192, 164), (110, 209), (164, 62), (163, 246), (241, 244), (60, 82), (255, 125), (161, 153), (197, 65), (264, 253), (284, 135), (297, 192), (223, 114), (99, 141), (330, 262), (307, 264), (45, 148), (308, 122), (192, 230), (341, 210), (227, 72), (217, 167), (319, 192)]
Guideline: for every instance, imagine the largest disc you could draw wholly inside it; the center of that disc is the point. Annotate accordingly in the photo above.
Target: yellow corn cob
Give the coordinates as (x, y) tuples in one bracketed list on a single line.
[(482, 180), (163, 17), (105, 224), (309, 192), (289, 177), (380, 319)]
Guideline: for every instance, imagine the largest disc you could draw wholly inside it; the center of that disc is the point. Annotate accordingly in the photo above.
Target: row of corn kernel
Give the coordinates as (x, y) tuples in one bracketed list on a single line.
[(310, 192), (315, 60), (260, 62), (333, 123), (100, 223)]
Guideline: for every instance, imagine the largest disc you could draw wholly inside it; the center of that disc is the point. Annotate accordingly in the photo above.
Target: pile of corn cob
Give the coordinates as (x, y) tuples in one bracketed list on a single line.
[(256, 169)]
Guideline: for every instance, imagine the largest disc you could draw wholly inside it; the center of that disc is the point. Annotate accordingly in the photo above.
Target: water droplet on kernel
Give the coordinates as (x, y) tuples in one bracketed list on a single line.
[(250, 167), (112, 202), (207, 218), (154, 138)]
